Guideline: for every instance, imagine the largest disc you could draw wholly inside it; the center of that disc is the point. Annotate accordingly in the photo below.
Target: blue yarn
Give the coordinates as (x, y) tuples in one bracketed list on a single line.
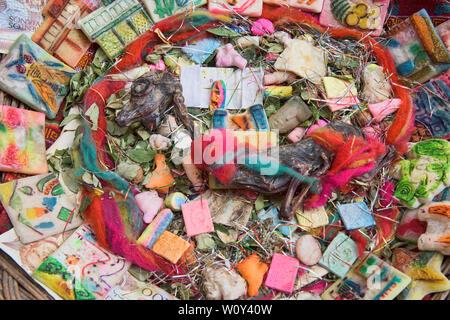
[(271, 167)]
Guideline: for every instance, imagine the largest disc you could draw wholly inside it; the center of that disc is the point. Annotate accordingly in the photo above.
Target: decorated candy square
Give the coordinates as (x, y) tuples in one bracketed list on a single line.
[(424, 268), (373, 279), (282, 273), (160, 10), (364, 15), (355, 215), (155, 228), (170, 246), (425, 172), (133, 289), (227, 207), (197, 217), (38, 207), (312, 218), (418, 51), (33, 76), (80, 269), (116, 25), (304, 5), (340, 255), (251, 8), (309, 274), (57, 34), (22, 143)]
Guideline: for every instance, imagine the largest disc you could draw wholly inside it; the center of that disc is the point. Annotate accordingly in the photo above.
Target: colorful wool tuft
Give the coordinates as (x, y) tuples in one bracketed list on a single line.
[(354, 156)]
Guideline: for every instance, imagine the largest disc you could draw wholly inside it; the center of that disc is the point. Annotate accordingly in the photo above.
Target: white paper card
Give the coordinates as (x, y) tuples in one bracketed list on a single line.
[(244, 88)]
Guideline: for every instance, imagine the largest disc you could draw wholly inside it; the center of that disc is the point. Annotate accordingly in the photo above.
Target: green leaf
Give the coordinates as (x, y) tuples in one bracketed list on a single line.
[(205, 242), (68, 179), (95, 181), (114, 129), (141, 155), (85, 202), (87, 177), (223, 32), (221, 228), (130, 139), (69, 118), (141, 145), (275, 48), (153, 58), (144, 134), (259, 203), (127, 170), (93, 114)]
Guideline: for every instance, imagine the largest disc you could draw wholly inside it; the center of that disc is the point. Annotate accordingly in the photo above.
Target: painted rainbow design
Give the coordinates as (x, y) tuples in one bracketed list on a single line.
[(155, 228), (218, 95)]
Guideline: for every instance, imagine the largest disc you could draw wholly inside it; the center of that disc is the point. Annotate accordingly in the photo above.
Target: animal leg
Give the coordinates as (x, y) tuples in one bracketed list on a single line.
[(181, 112), (285, 210), (288, 213)]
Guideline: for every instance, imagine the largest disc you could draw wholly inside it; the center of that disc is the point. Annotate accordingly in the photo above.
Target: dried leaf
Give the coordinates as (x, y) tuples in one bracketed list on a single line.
[(93, 114), (223, 32), (141, 155), (127, 170), (259, 203)]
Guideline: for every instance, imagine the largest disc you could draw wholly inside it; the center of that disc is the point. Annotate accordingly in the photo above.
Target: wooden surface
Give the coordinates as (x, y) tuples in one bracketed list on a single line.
[(16, 284)]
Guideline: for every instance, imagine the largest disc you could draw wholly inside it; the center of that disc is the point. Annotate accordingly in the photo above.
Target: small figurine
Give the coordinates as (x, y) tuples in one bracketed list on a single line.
[(291, 114), (221, 284), (149, 203), (253, 270), (161, 178), (159, 142), (227, 56), (437, 236)]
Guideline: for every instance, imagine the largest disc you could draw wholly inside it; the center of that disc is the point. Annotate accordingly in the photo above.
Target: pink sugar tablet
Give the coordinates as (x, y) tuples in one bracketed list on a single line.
[(296, 134), (282, 273), (197, 217), (319, 124), (336, 104), (384, 108)]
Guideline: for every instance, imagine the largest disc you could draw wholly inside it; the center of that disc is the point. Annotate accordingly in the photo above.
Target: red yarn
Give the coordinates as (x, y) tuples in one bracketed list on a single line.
[(354, 156), (98, 94)]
